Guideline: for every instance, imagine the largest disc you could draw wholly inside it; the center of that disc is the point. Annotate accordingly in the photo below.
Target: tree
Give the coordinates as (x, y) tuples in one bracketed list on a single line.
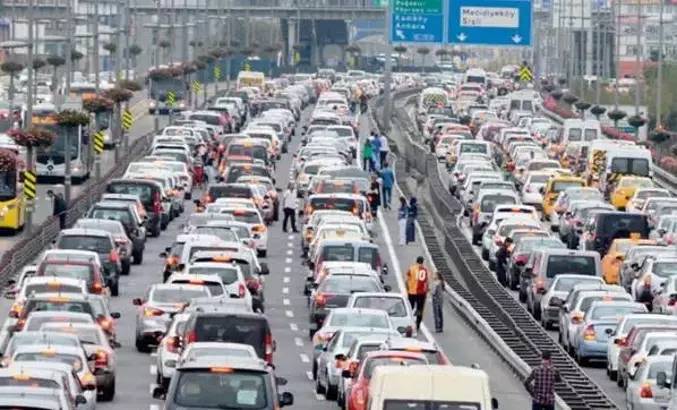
[(423, 52), (134, 51)]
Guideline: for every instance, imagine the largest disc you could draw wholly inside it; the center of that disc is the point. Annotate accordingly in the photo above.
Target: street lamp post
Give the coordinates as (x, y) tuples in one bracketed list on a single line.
[(659, 73)]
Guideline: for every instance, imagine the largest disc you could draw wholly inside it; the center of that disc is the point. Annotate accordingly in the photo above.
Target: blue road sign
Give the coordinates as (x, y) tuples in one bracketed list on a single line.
[(490, 22), (417, 21)]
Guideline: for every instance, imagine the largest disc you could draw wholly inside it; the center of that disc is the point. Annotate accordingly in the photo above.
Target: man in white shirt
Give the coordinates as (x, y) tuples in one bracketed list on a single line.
[(383, 149), (289, 205)]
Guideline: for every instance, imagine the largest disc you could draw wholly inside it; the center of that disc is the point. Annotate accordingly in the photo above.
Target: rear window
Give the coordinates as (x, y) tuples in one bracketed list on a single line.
[(216, 192), (339, 253), (96, 244), (221, 390), (227, 275), (393, 306), (665, 269), (249, 217), (566, 284), (369, 255), (29, 382), (122, 215), (51, 287), (587, 301), (71, 360), (626, 223), (348, 284), (560, 186), (58, 306), (177, 295), (83, 272), (233, 329), (489, 202), (339, 204), (612, 312), (255, 151), (632, 166), (389, 361), (580, 265), (209, 119), (215, 288), (143, 191)]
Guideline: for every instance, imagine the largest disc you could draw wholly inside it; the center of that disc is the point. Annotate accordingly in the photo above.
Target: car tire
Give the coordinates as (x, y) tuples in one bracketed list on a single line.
[(476, 239), (138, 257), (332, 391), (492, 266), (485, 254), (536, 311), (141, 346), (115, 289), (108, 392), (582, 361), (319, 389), (314, 370), (522, 296)]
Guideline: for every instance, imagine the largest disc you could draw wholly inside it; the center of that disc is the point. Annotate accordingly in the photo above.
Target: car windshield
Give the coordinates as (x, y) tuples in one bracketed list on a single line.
[(348, 284), (98, 244), (51, 287), (613, 311), (221, 389), (225, 234), (248, 217), (29, 381), (338, 204), (566, 284), (371, 364), (50, 357), (665, 269), (228, 274), (393, 306), (345, 319), (580, 265), (36, 322), (392, 404), (178, 295), (27, 339)]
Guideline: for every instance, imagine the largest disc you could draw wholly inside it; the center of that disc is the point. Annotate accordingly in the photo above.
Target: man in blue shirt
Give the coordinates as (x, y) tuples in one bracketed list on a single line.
[(388, 177)]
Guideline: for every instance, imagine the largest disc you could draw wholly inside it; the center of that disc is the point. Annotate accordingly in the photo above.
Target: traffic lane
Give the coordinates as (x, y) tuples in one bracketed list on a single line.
[(43, 204)]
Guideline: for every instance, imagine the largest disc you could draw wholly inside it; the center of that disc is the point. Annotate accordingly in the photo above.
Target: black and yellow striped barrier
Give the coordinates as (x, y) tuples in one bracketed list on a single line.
[(98, 142), (30, 184), (127, 120)]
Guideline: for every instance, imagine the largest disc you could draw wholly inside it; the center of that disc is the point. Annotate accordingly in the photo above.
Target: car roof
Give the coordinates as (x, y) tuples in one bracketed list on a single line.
[(85, 232), (224, 363)]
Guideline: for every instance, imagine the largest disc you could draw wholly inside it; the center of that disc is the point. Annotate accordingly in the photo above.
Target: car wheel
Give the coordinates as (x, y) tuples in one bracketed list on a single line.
[(141, 346), (485, 254), (109, 391), (492, 266), (583, 361), (138, 257), (319, 389), (314, 370), (332, 391)]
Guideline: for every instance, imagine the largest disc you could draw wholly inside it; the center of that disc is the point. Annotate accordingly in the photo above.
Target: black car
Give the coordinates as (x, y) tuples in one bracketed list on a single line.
[(150, 195), (604, 227), (130, 219)]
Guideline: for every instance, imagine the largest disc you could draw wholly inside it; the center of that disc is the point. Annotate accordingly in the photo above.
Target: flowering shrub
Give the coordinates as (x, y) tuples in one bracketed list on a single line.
[(97, 104), (72, 118), (32, 137), (8, 160)]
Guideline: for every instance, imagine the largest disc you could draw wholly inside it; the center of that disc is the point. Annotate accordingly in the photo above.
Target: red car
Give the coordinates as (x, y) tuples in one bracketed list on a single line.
[(359, 391)]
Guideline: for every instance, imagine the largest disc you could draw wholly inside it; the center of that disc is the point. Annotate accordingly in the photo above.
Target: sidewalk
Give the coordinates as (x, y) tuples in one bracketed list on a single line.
[(461, 344)]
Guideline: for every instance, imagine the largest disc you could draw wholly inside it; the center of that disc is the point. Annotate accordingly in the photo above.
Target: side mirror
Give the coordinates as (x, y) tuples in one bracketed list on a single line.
[(159, 392), (10, 282), (163, 255), (661, 232), (264, 269), (542, 191), (137, 302), (494, 403), (286, 399), (80, 399), (608, 331), (115, 315), (662, 380)]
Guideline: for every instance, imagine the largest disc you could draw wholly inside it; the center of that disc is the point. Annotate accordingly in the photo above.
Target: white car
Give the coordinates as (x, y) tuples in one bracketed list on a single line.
[(168, 351), (554, 297), (230, 274), (258, 228), (643, 392), (196, 350), (395, 304)]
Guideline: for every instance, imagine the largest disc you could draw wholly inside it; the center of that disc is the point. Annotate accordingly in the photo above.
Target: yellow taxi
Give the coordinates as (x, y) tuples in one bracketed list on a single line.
[(554, 186), (625, 189), (612, 261)]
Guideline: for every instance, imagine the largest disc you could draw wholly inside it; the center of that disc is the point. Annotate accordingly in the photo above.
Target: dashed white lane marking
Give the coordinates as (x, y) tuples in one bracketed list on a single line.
[(153, 354), (290, 252), (304, 358), (285, 290), (309, 375), (290, 244), (288, 260), (294, 327), (286, 302), (286, 278), (291, 237), (289, 313), (298, 341), (153, 370), (156, 406)]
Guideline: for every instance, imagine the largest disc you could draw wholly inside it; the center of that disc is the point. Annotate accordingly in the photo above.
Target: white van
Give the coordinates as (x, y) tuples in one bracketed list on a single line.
[(578, 130), (475, 75), (391, 388)]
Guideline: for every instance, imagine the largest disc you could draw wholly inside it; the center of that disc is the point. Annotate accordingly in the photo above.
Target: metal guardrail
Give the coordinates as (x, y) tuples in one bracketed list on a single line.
[(663, 177), (26, 250), (481, 290)]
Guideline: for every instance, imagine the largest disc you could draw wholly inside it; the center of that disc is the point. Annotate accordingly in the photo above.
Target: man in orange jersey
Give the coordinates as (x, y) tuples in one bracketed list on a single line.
[(417, 288)]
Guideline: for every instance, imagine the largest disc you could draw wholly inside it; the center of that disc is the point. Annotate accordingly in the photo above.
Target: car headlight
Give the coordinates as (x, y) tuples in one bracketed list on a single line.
[(182, 105)]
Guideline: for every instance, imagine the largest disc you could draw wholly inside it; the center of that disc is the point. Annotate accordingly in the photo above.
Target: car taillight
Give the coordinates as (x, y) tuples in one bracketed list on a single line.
[(157, 203), (645, 391), (269, 348), (253, 285), (320, 299), (172, 344), (191, 337), (577, 318), (97, 288), (113, 256), (589, 333), (241, 290), (150, 312), (101, 359)]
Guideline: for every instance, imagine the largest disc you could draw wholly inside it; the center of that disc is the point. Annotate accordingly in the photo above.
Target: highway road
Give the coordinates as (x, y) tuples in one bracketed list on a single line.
[(596, 371), (288, 315)]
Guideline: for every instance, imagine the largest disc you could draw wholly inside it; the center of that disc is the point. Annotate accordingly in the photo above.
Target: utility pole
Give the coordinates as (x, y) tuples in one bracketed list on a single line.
[(128, 33), (206, 49), (97, 80), (69, 47), (387, 79), (30, 165), (582, 53), (156, 64), (638, 69), (617, 52), (659, 74)]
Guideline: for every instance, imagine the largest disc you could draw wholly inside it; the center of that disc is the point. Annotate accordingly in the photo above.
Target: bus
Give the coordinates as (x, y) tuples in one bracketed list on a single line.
[(12, 205), (50, 161), (251, 79), (83, 90)]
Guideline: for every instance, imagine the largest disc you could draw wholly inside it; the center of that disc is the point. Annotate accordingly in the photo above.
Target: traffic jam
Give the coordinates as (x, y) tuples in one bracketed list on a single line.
[(220, 192), (573, 223)]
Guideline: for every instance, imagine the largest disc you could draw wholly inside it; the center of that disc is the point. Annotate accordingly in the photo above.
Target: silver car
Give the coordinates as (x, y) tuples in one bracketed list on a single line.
[(553, 299), (643, 392), (395, 304)]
